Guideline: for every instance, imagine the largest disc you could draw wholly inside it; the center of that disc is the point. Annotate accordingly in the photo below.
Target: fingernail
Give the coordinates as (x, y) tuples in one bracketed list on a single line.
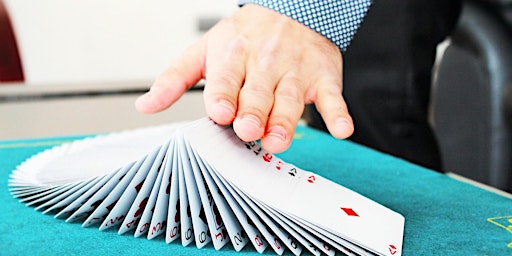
[(343, 125), (248, 127), (144, 99), (277, 132), (226, 107), (250, 120)]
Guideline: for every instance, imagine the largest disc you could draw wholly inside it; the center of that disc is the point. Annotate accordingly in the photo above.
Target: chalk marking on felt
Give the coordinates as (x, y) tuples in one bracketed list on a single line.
[(508, 228), (298, 135)]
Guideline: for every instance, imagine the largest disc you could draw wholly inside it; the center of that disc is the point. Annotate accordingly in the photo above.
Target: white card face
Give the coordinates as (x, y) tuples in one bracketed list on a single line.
[(304, 194), (126, 200), (187, 232), (255, 220), (199, 221), (52, 167), (66, 194), (173, 214), (139, 203), (331, 241), (284, 237), (25, 191), (76, 203), (235, 231), (159, 218), (307, 240), (248, 227), (46, 196), (105, 199), (201, 183), (138, 191), (145, 218), (214, 220), (69, 199), (92, 199)]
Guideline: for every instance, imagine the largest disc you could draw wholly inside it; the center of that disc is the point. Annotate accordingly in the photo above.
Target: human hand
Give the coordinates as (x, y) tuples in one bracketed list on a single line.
[(260, 67)]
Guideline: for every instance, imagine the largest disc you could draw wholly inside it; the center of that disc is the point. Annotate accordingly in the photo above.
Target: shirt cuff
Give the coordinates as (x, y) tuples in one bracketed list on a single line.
[(337, 20)]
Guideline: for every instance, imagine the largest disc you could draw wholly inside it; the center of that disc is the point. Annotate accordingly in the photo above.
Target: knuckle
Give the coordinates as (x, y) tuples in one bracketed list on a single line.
[(289, 93), (272, 46), (270, 52), (332, 90), (258, 112), (238, 45), (227, 79), (285, 120), (259, 90), (330, 109)]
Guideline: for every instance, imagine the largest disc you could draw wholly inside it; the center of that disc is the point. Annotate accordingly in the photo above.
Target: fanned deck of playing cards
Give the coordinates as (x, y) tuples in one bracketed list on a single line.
[(199, 182)]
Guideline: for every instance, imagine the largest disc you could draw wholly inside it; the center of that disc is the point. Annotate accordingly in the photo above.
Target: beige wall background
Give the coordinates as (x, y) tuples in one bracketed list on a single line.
[(96, 48), (69, 42)]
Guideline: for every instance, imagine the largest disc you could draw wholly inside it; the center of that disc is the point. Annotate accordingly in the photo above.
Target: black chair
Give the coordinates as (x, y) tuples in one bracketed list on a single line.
[(472, 95)]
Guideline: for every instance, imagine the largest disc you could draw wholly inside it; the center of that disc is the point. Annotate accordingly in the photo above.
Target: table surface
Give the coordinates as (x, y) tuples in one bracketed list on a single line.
[(443, 216)]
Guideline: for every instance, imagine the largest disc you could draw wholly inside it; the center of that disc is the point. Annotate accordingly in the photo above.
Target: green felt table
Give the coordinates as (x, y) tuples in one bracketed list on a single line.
[(443, 216)]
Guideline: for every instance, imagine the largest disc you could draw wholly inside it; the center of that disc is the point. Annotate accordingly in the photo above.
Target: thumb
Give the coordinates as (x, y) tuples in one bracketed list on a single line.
[(169, 86)]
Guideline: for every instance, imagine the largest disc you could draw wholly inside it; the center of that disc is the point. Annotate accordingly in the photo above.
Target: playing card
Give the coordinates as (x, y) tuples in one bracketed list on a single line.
[(45, 196), (308, 240), (251, 230), (199, 221), (83, 196), (214, 220), (25, 191), (158, 222), (52, 167), (234, 230), (65, 194), (340, 244), (173, 214), (334, 208), (271, 225), (202, 183), (68, 199), (185, 216), (139, 203), (122, 205), (147, 213), (99, 205), (254, 219)]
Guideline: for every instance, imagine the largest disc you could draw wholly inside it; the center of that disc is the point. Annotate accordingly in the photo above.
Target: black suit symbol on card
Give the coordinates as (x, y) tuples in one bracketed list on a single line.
[(255, 147), (292, 172)]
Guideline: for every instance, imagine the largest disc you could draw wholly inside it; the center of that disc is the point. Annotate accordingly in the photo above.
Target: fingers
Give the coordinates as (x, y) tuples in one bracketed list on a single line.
[(285, 115), (240, 90), (224, 78), (256, 97), (173, 82), (260, 69), (332, 107)]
